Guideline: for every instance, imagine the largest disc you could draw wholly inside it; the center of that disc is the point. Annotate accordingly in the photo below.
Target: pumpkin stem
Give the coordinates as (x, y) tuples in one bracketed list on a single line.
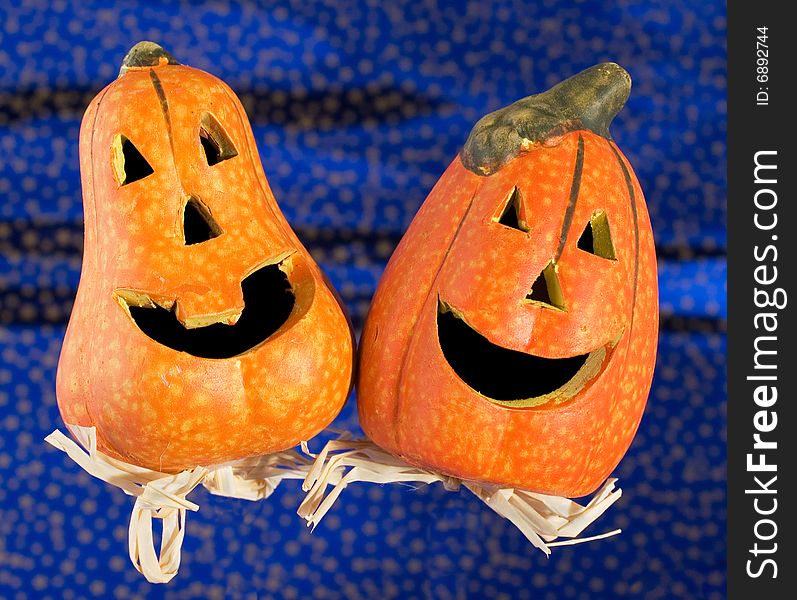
[(588, 100), (146, 54)]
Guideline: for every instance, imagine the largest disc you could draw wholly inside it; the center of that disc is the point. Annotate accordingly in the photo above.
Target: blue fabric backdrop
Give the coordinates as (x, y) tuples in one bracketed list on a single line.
[(357, 108)]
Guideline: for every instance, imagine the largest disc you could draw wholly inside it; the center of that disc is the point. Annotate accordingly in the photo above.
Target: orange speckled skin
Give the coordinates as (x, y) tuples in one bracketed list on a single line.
[(154, 406), (410, 400)]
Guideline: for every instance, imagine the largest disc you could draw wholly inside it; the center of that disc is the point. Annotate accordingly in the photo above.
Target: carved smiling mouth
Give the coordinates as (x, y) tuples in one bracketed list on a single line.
[(509, 377), (268, 302)]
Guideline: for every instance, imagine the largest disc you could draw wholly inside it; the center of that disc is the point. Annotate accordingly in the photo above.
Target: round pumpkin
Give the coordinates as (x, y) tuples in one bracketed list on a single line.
[(512, 337), (202, 331)]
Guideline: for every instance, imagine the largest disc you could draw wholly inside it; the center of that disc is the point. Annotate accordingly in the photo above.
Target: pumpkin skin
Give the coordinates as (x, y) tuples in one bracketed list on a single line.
[(457, 263), (158, 406)]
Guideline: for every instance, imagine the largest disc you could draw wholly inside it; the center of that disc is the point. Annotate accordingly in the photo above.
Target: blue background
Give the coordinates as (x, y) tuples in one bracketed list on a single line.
[(357, 109)]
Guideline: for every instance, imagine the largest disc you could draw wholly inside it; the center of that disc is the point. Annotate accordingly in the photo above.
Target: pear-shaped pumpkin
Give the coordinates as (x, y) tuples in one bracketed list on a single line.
[(202, 331), (512, 337)]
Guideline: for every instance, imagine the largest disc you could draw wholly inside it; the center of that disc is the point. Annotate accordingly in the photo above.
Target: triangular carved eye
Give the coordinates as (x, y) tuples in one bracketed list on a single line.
[(128, 163), (216, 144), (597, 237), (546, 290), (511, 215)]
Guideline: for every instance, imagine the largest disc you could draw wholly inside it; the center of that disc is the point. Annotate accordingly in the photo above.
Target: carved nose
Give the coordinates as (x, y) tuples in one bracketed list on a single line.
[(198, 223), (546, 291)]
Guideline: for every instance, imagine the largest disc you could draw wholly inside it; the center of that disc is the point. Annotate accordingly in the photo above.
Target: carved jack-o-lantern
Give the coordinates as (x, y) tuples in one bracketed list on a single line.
[(512, 338), (202, 331)]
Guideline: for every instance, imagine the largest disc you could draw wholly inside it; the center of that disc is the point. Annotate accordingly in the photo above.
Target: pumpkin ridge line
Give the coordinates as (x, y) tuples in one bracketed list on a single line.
[(156, 83), (94, 235), (573, 199), (632, 198), (405, 355)]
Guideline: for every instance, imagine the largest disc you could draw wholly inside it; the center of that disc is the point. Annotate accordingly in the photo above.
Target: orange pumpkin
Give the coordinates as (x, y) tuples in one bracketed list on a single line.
[(202, 331), (512, 337)]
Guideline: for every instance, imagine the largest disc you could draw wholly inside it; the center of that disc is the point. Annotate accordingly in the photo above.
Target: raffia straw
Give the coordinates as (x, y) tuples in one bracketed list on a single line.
[(541, 518), (163, 495)]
